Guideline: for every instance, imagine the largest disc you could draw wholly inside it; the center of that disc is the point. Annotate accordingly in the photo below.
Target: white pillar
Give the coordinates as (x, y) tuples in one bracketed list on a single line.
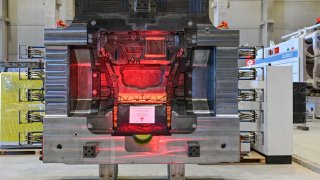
[(266, 26), (3, 29), (67, 10), (220, 9), (58, 10), (51, 13)]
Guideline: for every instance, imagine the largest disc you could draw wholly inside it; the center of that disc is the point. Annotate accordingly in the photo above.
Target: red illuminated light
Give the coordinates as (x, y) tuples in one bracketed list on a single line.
[(155, 55), (155, 62), (145, 98), (141, 129), (81, 65), (94, 92), (155, 38), (142, 78), (116, 149), (112, 74)]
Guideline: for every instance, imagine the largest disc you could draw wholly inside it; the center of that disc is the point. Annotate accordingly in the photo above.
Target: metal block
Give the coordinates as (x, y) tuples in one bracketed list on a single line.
[(90, 150), (57, 80), (208, 36), (212, 133), (193, 149), (183, 124), (245, 148), (61, 37)]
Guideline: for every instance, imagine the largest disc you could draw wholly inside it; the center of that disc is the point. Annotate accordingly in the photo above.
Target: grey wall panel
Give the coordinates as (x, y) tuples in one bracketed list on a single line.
[(249, 36), (26, 35), (26, 12), (26, 25), (288, 16), (244, 14), (293, 14)]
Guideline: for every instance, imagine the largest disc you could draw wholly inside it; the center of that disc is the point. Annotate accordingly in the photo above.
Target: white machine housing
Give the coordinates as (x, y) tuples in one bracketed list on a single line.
[(272, 128), (295, 52), (288, 53)]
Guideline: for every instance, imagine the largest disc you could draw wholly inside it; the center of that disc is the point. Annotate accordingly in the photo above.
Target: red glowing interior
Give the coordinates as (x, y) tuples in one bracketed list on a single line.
[(130, 67)]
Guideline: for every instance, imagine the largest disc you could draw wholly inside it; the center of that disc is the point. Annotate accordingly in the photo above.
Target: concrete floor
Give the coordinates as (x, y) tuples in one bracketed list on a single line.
[(306, 144), (28, 167)]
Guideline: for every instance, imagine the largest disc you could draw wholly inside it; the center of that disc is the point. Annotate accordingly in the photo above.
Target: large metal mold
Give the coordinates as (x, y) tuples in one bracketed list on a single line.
[(166, 60)]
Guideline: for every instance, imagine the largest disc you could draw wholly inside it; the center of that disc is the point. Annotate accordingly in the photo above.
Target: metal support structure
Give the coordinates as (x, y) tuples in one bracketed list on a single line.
[(51, 14), (67, 10), (108, 171), (266, 26), (220, 9), (3, 29), (176, 171), (58, 9), (304, 31)]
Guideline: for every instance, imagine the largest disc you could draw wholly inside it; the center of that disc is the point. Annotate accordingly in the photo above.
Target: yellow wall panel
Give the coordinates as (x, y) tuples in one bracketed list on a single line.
[(11, 88)]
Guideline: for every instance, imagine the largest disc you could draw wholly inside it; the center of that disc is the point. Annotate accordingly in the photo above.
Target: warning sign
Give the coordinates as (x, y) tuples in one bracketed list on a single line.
[(142, 115)]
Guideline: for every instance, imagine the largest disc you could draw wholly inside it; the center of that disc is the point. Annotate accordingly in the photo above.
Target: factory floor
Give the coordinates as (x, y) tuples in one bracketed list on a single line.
[(306, 144), (28, 167)]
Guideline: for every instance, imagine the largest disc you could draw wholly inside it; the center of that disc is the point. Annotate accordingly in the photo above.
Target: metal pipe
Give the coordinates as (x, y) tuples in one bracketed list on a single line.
[(300, 31)]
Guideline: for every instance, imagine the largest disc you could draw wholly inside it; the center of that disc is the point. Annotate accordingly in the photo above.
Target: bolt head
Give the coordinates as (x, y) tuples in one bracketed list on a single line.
[(93, 23), (194, 126), (89, 126), (94, 92)]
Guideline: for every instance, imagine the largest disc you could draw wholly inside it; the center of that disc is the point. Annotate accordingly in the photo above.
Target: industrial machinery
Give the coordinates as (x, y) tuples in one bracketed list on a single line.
[(141, 82), (299, 50), (265, 112)]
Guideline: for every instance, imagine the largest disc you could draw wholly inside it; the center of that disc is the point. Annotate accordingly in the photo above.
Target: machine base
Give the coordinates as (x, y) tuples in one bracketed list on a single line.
[(285, 159), (66, 142), (110, 172)]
